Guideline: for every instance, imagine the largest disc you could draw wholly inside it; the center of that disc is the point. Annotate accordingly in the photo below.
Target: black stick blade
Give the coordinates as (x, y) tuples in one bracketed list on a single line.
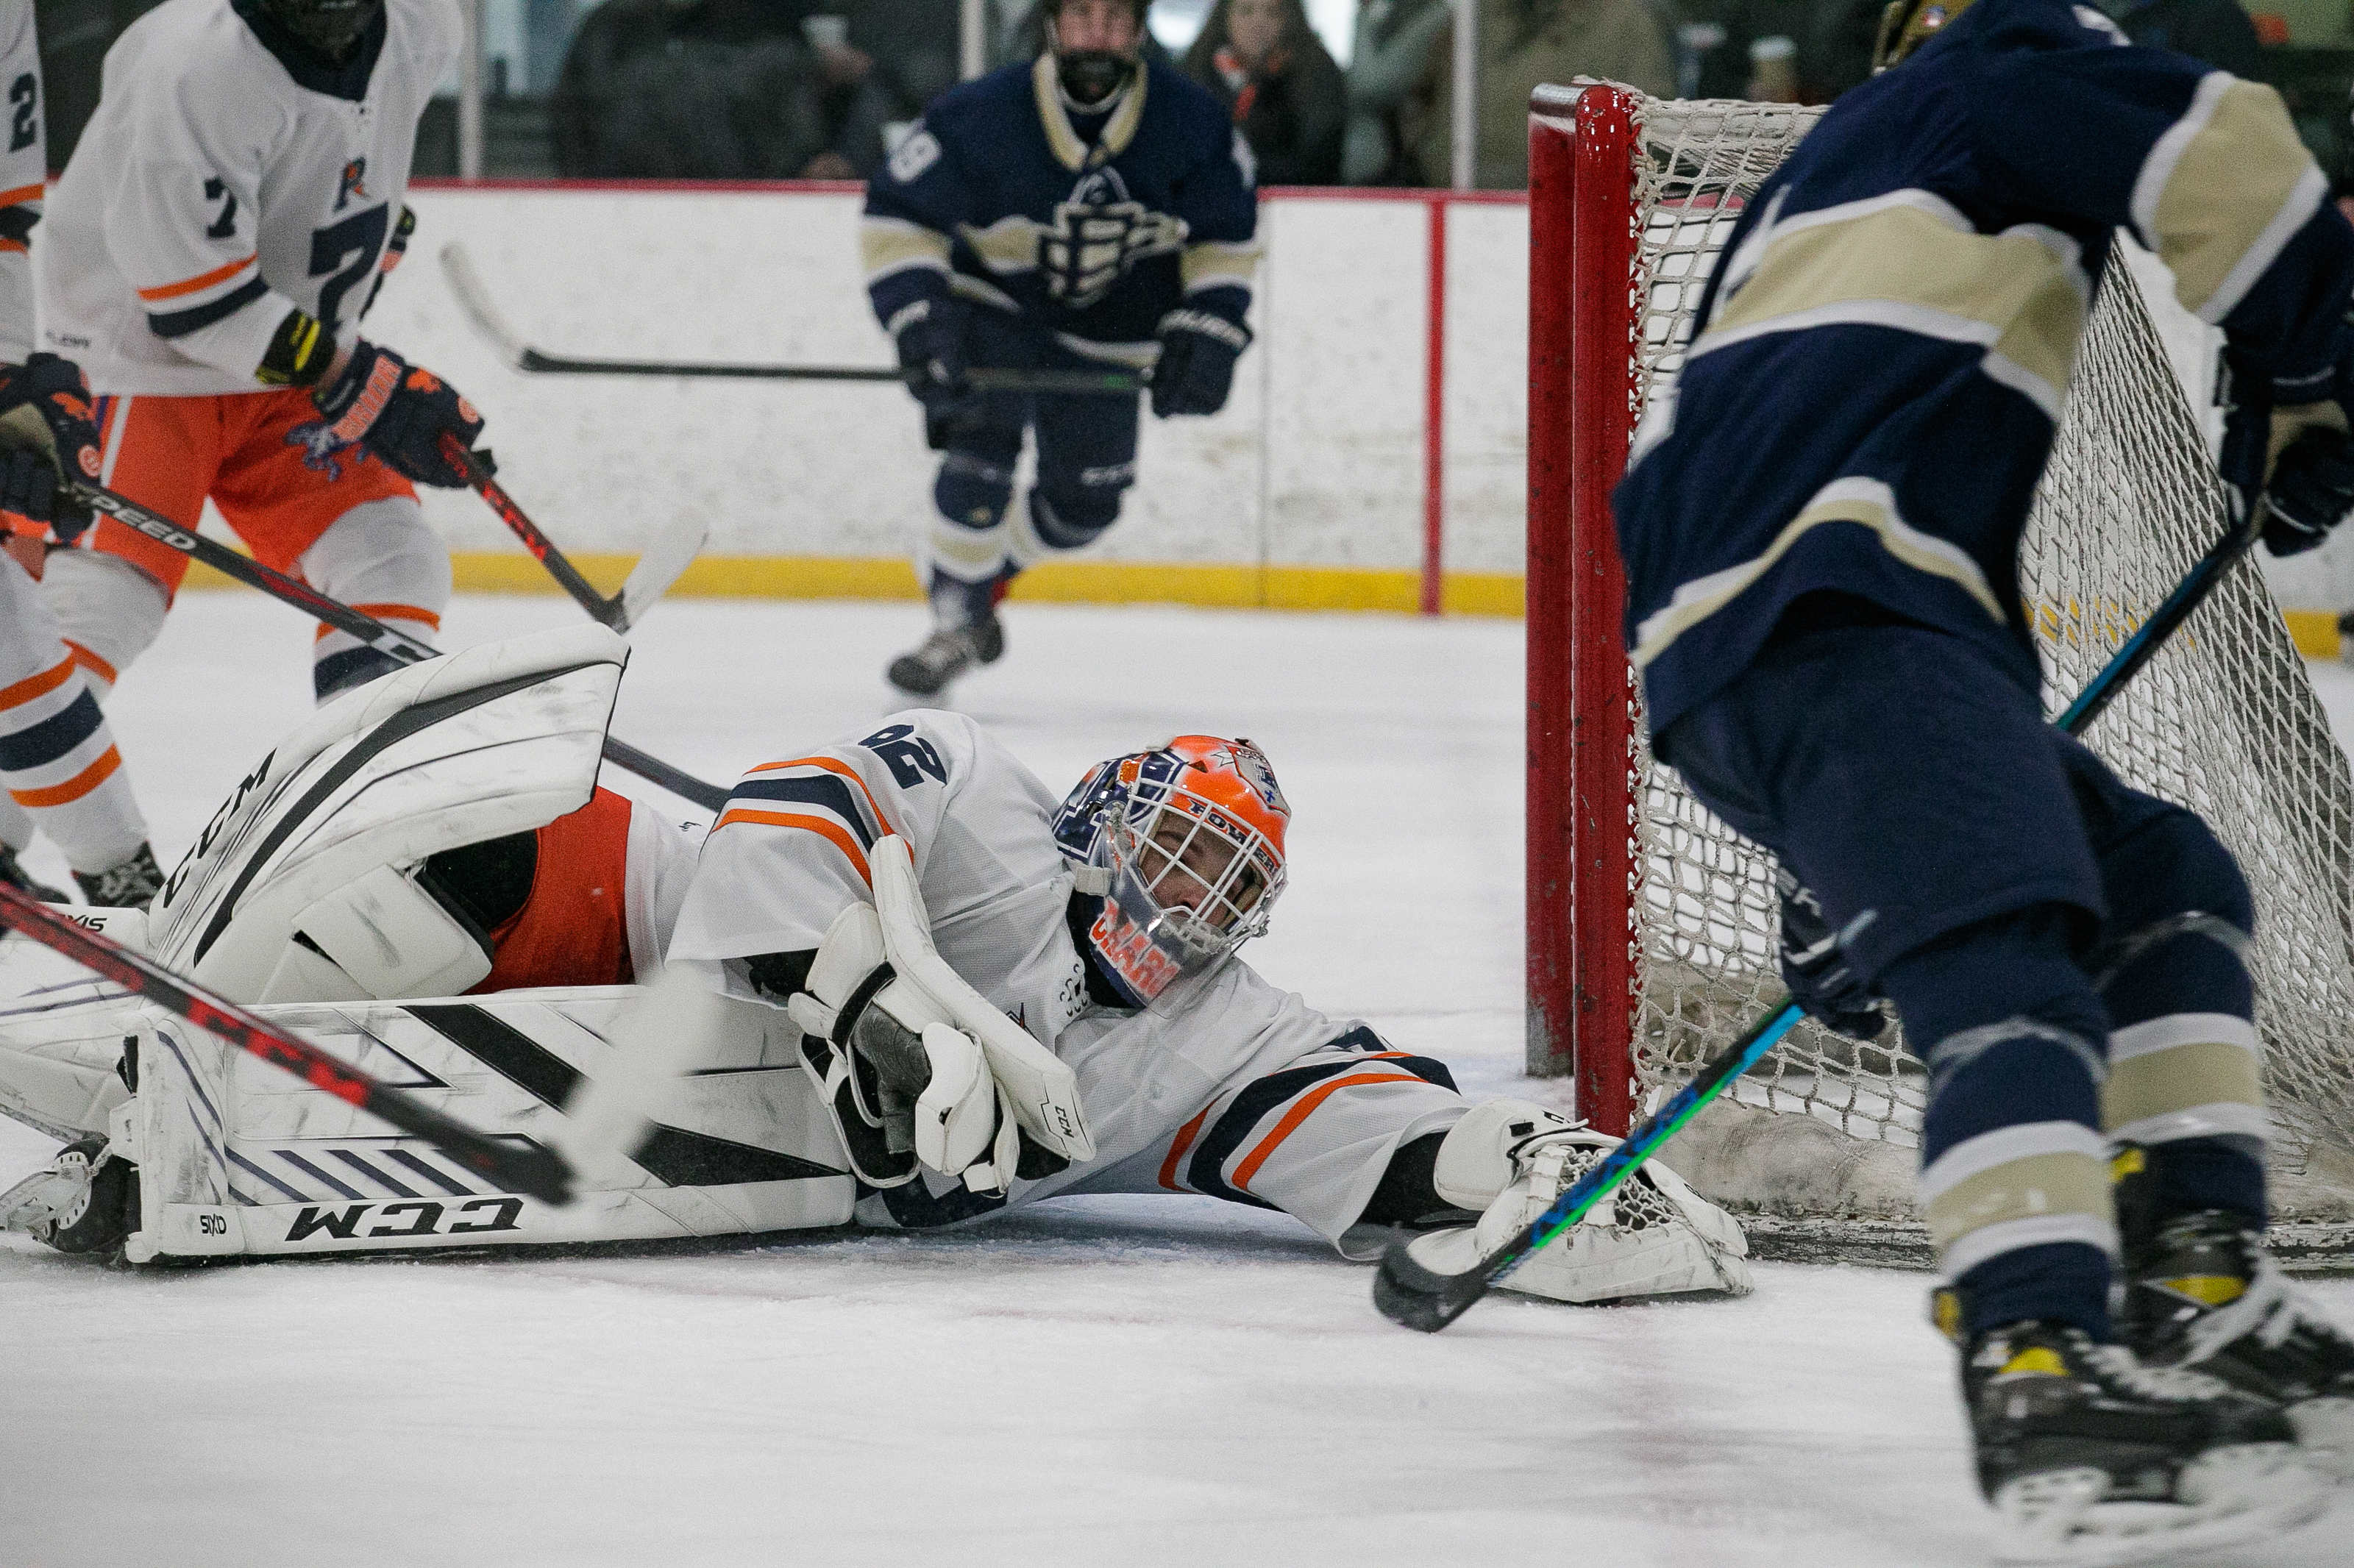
[(531, 1169), (1421, 1299)]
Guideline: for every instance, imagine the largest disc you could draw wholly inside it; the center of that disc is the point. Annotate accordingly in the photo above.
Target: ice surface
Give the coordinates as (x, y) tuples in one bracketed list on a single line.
[(1133, 1381)]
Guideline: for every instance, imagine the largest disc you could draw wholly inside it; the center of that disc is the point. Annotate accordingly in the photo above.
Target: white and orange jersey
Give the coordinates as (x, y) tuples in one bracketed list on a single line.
[(226, 179), (24, 166), (1224, 1085)]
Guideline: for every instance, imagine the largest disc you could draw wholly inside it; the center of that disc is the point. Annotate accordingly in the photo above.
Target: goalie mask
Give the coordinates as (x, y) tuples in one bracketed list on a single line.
[(1184, 845)]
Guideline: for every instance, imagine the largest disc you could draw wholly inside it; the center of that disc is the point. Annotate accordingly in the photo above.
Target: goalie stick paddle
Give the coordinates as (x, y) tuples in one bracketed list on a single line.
[(1423, 1298), (374, 633), (672, 550), (517, 1167), (474, 301)]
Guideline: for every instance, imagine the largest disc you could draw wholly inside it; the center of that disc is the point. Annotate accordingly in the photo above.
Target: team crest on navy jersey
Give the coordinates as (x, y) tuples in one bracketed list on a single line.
[(1099, 232)]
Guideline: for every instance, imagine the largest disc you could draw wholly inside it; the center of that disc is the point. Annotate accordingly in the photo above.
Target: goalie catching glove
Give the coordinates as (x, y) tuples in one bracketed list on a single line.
[(1653, 1235)]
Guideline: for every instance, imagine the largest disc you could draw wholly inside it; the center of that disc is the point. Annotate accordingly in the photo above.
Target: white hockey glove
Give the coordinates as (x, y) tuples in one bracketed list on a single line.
[(905, 1086), (1652, 1236)]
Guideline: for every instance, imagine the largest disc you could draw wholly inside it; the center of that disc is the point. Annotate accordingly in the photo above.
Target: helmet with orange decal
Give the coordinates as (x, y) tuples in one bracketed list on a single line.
[(1184, 845)]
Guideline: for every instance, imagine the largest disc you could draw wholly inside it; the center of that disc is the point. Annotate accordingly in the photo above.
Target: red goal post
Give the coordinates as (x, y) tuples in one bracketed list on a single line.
[(1581, 720), (1650, 925)]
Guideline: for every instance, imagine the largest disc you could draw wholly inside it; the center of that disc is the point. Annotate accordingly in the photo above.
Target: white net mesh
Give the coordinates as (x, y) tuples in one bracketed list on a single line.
[(2222, 720)]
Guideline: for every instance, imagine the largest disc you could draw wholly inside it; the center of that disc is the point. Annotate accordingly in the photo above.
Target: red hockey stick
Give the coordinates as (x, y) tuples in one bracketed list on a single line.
[(670, 553), (527, 1168)]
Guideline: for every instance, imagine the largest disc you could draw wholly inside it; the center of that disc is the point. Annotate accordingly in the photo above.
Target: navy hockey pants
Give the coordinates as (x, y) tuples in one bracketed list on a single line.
[(1087, 460), (2024, 907)]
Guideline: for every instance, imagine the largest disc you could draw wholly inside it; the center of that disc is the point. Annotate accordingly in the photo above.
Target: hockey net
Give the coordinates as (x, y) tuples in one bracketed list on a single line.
[(1651, 924)]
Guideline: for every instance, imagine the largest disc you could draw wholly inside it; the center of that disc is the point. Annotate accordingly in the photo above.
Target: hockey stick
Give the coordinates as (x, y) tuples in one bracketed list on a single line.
[(474, 301), (523, 1167), (672, 551), (372, 633), (1421, 1298)]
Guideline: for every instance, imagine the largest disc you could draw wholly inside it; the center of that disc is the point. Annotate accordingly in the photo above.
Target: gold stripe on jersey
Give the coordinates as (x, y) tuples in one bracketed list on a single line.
[(1209, 262), (2223, 190), (1868, 502), (2022, 293), (889, 244), (1010, 245)]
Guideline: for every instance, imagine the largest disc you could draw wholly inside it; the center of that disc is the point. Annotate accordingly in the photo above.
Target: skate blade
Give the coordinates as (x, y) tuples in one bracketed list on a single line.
[(2233, 1497)]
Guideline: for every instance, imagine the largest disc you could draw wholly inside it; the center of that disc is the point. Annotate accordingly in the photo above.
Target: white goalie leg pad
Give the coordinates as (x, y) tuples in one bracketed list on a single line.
[(1653, 1235), (236, 1157), (498, 740), (61, 1029)]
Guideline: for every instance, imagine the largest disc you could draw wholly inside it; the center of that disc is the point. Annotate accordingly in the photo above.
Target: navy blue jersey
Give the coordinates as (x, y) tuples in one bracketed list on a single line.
[(1884, 349), (1093, 226)]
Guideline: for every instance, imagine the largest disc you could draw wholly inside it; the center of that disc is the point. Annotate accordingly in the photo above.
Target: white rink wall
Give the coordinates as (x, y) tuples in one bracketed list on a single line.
[(1318, 460)]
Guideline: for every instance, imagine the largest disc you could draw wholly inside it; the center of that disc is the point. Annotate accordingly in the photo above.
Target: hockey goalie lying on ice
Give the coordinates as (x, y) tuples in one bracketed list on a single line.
[(906, 986)]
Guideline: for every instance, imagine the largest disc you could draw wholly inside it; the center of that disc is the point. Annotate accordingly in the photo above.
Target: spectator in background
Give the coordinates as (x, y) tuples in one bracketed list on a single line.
[(914, 44), (1526, 43), (1266, 65), (2216, 32), (1386, 62), (715, 89), (1788, 51)]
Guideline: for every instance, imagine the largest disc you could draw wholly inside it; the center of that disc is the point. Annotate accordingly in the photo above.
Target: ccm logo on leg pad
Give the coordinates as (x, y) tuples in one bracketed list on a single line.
[(408, 1219)]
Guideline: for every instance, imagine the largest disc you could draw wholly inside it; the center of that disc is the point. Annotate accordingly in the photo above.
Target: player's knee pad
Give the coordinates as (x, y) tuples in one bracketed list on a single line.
[(1509, 1159), (108, 610), (965, 547), (1062, 521), (2179, 921), (973, 488), (382, 559)]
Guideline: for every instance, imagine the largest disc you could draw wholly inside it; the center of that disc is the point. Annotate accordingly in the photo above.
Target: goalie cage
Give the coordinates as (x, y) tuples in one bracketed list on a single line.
[(1651, 924)]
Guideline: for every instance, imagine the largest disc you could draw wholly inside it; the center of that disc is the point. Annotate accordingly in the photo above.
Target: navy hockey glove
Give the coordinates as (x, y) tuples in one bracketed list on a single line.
[(1817, 971), (2312, 490), (930, 336), (28, 489), (57, 427), (1196, 367), (395, 410)]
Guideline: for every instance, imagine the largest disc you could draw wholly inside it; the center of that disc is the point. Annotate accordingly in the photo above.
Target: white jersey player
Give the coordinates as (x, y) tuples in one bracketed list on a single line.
[(58, 762), (910, 988), (226, 218), (1104, 927)]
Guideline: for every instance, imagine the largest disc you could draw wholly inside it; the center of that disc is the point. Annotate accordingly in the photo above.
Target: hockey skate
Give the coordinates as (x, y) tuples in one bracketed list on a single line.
[(950, 652), (2093, 1460), (13, 874), (2201, 1294), (131, 884), (84, 1203)]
